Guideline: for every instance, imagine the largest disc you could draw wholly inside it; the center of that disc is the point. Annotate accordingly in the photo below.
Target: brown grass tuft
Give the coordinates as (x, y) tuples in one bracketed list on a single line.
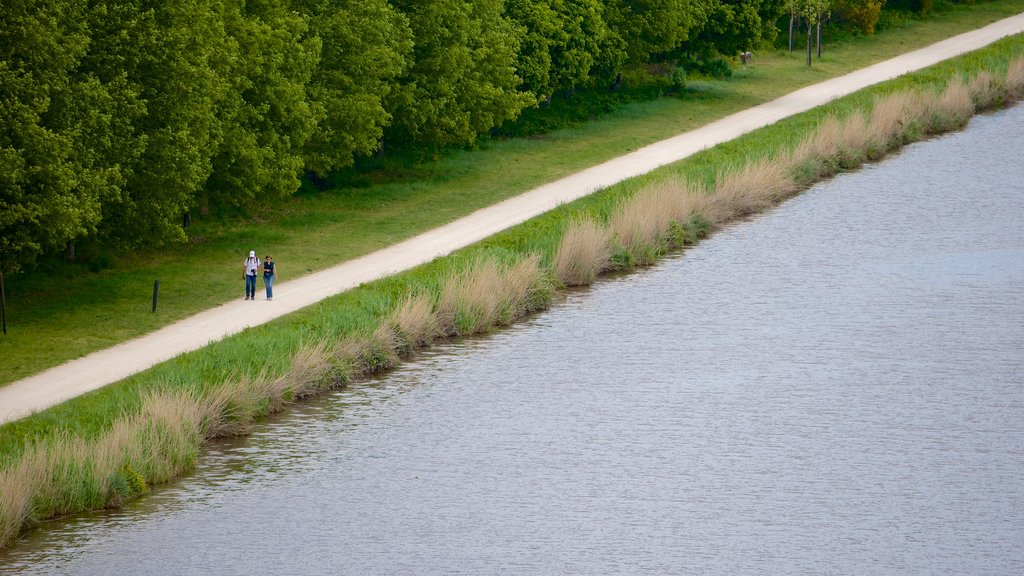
[(313, 370), (955, 104), (414, 319), (987, 91), (640, 223), (857, 140), (753, 188), (18, 486), (231, 408), (1015, 79), (893, 119), (471, 300), (528, 287), (584, 252)]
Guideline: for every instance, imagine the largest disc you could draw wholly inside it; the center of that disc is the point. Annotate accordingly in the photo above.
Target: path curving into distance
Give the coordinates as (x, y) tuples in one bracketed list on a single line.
[(98, 369)]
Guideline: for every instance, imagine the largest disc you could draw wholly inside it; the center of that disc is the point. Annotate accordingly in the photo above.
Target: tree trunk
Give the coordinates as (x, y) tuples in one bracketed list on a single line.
[(818, 42), (808, 44), (792, 17)]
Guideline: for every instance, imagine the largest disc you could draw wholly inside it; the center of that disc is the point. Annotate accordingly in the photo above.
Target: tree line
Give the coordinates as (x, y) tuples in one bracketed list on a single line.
[(117, 117)]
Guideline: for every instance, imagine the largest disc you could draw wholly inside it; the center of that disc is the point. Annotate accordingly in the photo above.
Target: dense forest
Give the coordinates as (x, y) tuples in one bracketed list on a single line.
[(120, 117)]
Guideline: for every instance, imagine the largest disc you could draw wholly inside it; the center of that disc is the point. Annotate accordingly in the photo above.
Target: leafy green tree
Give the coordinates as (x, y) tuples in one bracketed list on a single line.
[(739, 25), (813, 12), (863, 14), (166, 51), (57, 131), (463, 80), (266, 115), (565, 44), (651, 27), (366, 45)]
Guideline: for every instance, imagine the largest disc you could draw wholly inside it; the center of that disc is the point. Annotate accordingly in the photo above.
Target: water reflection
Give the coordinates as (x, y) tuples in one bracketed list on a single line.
[(832, 388)]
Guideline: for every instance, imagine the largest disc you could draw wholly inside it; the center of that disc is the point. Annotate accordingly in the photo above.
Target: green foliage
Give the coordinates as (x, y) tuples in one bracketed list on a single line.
[(736, 26), (266, 114), (651, 27), (55, 179), (168, 53), (135, 482), (921, 7), (366, 45), (861, 14), (564, 46), (462, 81)]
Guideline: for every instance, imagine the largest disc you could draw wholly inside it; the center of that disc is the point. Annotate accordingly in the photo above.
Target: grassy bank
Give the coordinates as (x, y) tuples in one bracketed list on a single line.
[(103, 448), (63, 312)]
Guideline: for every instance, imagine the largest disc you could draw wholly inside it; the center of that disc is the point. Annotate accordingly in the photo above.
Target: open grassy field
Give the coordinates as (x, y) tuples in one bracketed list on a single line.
[(62, 312)]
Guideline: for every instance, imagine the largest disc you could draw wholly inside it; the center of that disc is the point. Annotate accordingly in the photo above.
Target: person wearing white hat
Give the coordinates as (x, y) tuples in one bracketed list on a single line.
[(252, 263)]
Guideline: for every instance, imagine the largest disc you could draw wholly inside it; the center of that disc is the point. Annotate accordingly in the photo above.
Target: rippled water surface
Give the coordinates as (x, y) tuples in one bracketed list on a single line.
[(831, 388)]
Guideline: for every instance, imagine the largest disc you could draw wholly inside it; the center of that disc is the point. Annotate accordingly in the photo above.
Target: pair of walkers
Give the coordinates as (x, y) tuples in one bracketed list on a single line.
[(251, 268)]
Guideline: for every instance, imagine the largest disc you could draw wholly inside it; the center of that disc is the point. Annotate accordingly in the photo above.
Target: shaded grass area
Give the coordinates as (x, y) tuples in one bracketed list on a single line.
[(100, 449), (62, 312)]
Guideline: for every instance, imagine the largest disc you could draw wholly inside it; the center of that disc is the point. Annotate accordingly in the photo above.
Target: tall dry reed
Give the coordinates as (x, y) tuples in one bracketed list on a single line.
[(987, 90), (1015, 79), (19, 484), (584, 253), (414, 320), (894, 120), (528, 287), (639, 223), (753, 188), (471, 300), (70, 474), (955, 105), (815, 156), (313, 369)]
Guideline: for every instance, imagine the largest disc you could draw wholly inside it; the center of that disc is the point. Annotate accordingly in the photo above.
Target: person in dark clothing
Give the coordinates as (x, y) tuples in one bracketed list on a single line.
[(269, 274)]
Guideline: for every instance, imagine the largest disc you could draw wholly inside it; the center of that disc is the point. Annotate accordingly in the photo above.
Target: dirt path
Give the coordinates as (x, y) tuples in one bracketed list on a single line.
[(98, 369)]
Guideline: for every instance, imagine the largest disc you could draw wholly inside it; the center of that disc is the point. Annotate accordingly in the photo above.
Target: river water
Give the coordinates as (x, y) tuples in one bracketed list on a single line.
[(836, 387)]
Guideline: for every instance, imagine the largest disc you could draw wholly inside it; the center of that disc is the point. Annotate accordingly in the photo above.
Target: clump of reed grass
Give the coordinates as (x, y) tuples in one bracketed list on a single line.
[(857, 142), (487, 295), (414, 320), (170, 427), (315, 368), (529, 288), (584, 252), (471, 300), (988, 90), (686, 201), (815, 156), (19, 485), (895, 120), (233, 407), (752, 188), (1015, 79), (955, 106), (70, 474), (639, 223)]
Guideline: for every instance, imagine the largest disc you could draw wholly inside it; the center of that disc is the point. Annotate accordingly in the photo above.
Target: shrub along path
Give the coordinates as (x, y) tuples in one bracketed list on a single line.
[(96, 370)]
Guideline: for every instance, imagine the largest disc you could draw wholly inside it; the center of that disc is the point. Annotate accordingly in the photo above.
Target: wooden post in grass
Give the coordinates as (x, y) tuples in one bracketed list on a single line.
[(3, 304), (156, 288)]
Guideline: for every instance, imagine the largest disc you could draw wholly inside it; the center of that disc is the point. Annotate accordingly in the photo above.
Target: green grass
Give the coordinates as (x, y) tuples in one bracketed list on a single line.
[(59, 313)]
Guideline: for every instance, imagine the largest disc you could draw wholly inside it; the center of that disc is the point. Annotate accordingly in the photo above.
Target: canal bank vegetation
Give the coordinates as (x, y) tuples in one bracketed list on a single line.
[(112, 445)]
